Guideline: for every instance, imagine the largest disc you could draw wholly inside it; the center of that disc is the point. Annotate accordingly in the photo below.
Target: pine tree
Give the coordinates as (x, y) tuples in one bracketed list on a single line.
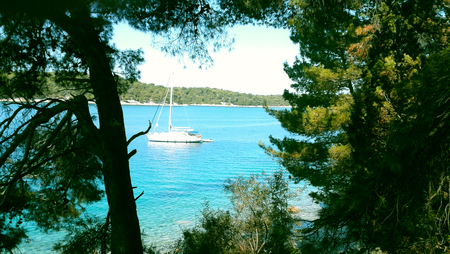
[(368, 118)]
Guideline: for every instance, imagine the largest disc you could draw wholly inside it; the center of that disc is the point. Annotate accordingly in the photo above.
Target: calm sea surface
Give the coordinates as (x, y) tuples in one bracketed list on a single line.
[(177, 178)]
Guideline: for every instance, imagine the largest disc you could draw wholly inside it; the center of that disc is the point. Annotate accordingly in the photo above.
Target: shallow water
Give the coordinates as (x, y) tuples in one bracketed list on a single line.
[(177, 178)]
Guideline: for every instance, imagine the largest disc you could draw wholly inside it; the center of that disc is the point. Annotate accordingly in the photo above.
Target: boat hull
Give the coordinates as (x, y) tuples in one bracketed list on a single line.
[(174, 137)]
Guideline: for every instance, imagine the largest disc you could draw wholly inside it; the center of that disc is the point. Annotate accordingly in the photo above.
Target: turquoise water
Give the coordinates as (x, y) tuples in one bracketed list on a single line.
[(177, 178)]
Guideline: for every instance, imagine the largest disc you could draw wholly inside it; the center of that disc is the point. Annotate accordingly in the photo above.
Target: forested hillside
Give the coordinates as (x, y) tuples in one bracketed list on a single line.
[(151, 93), (145, 93)]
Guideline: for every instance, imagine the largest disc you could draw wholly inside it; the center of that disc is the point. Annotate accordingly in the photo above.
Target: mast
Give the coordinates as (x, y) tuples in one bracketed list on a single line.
[(170, 111)]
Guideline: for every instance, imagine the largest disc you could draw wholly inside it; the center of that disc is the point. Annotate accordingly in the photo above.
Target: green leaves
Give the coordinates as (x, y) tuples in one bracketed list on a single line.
[(260, 220), (368, 124)]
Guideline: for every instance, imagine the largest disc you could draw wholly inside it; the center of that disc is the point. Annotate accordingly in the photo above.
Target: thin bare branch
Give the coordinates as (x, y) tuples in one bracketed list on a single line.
[(140, 133), (40, 118)]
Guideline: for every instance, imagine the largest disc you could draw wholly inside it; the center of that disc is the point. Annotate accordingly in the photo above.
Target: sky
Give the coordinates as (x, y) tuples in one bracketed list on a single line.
[(255, 65)]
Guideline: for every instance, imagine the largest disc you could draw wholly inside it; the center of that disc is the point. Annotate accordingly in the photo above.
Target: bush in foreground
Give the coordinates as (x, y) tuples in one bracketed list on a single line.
[(258, 222)]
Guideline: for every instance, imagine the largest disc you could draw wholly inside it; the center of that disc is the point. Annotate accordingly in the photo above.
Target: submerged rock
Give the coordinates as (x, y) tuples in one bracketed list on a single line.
[(293, 209)]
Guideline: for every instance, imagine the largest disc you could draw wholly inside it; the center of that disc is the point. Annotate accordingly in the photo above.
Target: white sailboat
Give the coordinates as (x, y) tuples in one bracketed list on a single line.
[(175, 134)]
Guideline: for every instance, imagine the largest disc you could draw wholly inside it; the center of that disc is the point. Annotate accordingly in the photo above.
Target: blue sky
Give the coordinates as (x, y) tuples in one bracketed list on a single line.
[(255, 65)]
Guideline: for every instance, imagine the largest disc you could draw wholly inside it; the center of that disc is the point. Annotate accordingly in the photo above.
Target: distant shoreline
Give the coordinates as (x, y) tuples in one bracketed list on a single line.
[(136, 103)]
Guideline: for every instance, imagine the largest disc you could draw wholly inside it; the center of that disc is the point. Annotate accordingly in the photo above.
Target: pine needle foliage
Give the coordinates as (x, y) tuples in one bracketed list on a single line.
[(369, 124)]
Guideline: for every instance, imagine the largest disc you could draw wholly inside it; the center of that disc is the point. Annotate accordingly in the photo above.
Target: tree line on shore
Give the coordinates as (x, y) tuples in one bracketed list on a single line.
[(145, 93), (150, 93)]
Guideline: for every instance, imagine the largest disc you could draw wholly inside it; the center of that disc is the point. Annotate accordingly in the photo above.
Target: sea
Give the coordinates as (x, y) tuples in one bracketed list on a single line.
[(177, 179)]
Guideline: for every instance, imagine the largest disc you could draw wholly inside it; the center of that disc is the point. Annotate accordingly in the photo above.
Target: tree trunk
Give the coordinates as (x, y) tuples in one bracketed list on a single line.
[(126, 237), (122, 207)]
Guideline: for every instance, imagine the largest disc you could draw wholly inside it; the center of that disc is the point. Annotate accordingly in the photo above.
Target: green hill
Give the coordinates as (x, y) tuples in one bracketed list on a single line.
[(150, 93)]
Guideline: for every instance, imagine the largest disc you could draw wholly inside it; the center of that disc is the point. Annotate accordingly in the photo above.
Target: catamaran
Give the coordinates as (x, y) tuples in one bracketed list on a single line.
[(175, 134)]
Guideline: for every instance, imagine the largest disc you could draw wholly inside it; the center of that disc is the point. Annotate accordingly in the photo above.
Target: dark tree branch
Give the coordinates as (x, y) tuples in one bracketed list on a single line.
[(41, 117), (24, 106), (79, 106), (28, 135), (33, 168), (48, 140), (29, 171), (142, 193), (7, 122), (140, 133), (132, 153)]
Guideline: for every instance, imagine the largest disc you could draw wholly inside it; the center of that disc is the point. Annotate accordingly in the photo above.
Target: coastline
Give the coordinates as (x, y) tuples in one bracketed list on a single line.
[(136, 103)]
